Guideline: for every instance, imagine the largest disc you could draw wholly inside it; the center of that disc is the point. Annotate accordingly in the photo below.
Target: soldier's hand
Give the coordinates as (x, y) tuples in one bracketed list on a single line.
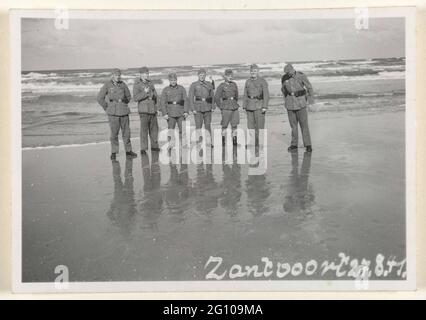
[(159, 113), (194, 112), (263, 110), (146, 89), (185, 115), (166, 117)]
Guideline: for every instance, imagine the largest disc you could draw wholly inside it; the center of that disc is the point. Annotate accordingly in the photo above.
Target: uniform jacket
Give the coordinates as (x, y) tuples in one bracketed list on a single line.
[(114, 97), (256, 88), (224, 92), (147, 100), (204, 90), (174, 94), (293, 84)]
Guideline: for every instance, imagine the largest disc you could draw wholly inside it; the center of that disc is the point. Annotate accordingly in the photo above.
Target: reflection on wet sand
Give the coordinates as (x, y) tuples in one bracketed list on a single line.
[(151, 200), (206, 190), (231, 185), (123, 208), (258, 191), (177, 191), (299, 197)]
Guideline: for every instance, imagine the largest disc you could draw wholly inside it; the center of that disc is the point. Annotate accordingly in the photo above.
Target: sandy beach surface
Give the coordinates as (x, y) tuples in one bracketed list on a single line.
[(141, 220)]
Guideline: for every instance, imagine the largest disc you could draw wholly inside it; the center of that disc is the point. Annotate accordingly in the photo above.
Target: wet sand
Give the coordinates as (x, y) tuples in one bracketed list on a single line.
[(141, 220)]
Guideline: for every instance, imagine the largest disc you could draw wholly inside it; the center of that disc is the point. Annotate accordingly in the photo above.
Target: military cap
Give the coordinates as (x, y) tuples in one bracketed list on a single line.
[(288, 68), (253, 66), (202, 70), (228, 72), (143, 70), (172, 76), (116, 71)]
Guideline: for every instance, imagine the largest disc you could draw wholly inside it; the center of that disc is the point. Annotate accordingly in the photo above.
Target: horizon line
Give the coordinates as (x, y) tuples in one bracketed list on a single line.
[(214, 64)]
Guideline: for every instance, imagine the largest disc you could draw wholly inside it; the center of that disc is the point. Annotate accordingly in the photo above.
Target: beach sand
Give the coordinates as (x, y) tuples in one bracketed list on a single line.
[(135, 220)]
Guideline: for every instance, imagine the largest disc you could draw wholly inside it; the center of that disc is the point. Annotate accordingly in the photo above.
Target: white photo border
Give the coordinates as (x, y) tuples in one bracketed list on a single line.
[(409, 13)]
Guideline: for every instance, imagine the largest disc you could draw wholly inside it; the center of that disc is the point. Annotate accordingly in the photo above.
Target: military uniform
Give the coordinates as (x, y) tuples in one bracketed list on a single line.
[(256, 98), (226, 99), (200, 98), (298, 93), (114, 98), (145, 95), (174, 104)]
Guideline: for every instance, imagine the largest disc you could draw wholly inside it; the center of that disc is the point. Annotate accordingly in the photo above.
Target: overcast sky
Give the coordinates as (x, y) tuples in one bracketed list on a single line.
[(125, 44)]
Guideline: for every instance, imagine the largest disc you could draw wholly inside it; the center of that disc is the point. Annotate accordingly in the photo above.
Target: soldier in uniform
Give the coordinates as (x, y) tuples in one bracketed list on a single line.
[(226, 99), (298, 93), (174, 105), (256, 98), (201, 104), (145, 95), (114, 97)]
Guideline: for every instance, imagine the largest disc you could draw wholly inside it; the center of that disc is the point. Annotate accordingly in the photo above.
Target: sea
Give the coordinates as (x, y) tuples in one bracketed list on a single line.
[(59, 107)]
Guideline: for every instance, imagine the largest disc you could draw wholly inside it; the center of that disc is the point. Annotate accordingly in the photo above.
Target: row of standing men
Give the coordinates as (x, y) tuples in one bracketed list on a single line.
[(175, 105)]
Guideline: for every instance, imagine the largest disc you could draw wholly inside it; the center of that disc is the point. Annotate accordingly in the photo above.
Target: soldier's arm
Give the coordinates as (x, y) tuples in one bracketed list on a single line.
[(163, 102), (185, 100), (127, 94), (309, 89), (138, 93), (211, 95), (265, 94), (245, 96), (191, 97), (101, 96), (236, 92), (218, 96), (283, 86), (155, 97)]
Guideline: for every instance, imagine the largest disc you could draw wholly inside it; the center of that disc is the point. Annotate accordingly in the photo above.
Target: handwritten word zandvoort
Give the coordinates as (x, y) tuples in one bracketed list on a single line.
[(346, 266)]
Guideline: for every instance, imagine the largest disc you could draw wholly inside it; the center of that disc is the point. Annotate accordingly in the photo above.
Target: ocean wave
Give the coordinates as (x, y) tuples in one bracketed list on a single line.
[(80, 81), (357, 96)]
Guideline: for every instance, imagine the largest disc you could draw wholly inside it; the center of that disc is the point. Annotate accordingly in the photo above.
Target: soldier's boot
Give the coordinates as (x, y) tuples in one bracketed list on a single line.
[(292, 148), (113, 156), (131, 154), (308, 148)]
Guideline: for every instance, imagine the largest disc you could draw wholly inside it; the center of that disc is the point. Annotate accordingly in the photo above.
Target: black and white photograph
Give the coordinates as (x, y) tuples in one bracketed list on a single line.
[(213, 150)]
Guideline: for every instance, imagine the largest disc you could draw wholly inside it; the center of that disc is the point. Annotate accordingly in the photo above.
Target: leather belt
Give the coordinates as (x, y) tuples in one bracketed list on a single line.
[(256, 97), (176, 102), (208, 100), (298, 93)]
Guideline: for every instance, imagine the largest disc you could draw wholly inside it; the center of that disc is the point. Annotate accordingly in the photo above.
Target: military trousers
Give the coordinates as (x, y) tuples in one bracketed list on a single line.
[(230, 117), (172, 121), (149, 127), (203, 117), (116, 123), (256, 121), (296, 118)]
